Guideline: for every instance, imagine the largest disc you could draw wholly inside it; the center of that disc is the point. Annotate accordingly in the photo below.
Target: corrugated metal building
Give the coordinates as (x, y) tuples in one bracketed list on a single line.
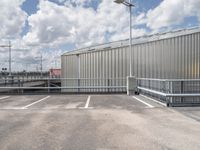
[(171, 55)]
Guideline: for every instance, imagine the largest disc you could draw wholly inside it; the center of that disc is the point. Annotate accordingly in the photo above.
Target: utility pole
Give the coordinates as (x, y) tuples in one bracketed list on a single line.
[(41, 63), (10, 56)]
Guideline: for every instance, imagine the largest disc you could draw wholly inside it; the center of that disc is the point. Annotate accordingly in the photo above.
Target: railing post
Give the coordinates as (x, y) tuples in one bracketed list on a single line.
[(108, 84), (78, 85), (48, 84), (149, 84), (19, 85), (167, 86), (181, 91), (12, 81), (5, 81)]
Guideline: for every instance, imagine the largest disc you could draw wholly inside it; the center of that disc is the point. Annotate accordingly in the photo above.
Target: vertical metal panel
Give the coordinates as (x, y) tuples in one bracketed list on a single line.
[(92, 70), (104, 68), (189, 51), (134, 62), (161, 60), (198, 55), (139, 61)]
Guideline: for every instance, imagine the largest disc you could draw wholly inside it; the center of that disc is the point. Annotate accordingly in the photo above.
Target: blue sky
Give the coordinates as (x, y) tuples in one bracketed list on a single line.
[(142, 6), (52, 27)]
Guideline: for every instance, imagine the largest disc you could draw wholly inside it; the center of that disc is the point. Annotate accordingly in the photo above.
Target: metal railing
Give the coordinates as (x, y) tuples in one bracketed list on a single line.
[(174, 92), (62, 85)]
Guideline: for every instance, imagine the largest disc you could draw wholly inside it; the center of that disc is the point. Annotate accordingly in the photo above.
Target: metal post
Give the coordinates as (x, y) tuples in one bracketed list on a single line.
[(79, 71), (19, 84), (9, 46), (129, 5), (130, 39), (181, 91), (41, 65), (108, 85), (10, 58), (48, 84)]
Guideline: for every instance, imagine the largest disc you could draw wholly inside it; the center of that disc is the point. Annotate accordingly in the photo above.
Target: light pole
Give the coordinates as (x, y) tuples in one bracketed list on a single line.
[(130, 5)]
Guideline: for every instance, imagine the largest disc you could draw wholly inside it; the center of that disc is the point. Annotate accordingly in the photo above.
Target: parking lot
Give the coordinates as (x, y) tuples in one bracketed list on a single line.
[(95, 122)]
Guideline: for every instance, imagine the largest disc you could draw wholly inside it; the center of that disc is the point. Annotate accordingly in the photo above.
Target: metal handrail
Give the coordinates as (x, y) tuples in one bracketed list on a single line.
[(169, 94), (67, 87), (153, 79), (64, 79)]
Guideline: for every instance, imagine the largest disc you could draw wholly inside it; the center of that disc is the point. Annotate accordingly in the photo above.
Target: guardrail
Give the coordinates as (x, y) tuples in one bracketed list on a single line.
[(62, 85), (174, 92)]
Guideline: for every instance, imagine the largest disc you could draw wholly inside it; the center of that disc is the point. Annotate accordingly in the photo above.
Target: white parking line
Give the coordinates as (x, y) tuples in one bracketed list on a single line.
[(12, 108), (149, 105), (153, 100), (87, 102), (25, 107), (4, 97)]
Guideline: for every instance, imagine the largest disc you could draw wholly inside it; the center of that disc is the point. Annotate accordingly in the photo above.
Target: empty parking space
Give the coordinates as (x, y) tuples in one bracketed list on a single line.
[(12, 102), (122, 102), (115, 102), (61, 102)]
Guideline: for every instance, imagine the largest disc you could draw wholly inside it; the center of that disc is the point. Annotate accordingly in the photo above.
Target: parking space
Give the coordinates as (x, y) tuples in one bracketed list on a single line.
[(89, 122), (115, 102), (17, 102), (61, 102)]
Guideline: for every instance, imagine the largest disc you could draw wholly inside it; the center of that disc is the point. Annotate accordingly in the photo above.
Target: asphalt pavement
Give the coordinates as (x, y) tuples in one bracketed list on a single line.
[(95, 122)]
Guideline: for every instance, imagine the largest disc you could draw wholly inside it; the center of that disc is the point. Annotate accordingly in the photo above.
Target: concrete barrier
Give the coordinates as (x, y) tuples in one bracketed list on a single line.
[(132, 86)]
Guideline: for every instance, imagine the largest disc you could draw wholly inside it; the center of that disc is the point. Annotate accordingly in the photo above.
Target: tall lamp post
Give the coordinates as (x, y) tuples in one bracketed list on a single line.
[(131, 82), (130, 5)]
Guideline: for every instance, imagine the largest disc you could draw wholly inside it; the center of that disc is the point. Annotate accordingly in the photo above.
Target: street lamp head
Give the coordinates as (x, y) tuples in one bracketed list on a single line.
[(119, 1)]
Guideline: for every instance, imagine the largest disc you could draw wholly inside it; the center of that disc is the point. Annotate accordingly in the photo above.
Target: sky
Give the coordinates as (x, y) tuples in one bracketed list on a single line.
[(52, 27)]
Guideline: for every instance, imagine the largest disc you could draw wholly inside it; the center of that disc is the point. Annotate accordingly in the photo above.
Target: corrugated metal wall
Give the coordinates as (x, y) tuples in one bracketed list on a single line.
[(173, 58)]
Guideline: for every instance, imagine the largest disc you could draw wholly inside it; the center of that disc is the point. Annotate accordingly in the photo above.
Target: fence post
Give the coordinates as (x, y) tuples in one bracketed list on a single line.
[(149, 84), (19, 85), (48, 84), (167, 99), (181, 91), (78, 85), (5, 81), (108, 81), (12, 80), (22, 85)]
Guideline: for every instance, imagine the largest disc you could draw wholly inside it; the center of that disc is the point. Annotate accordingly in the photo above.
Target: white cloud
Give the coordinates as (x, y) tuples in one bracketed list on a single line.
[(124, 35), (54, 24), (75, 2), (172, 12), (12, 18), (12, 21)]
